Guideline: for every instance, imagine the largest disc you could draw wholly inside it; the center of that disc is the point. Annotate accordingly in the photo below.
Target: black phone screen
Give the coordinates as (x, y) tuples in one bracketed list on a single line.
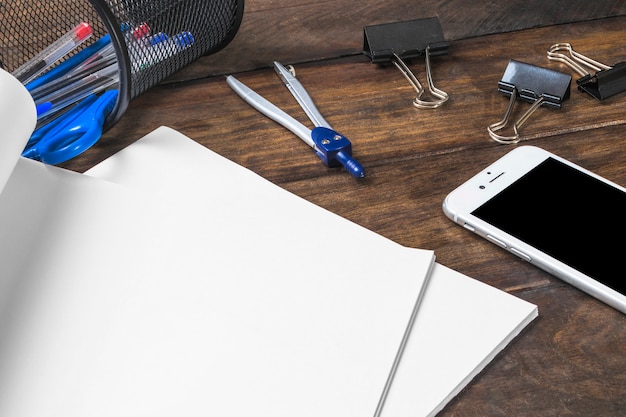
[(568, 215)]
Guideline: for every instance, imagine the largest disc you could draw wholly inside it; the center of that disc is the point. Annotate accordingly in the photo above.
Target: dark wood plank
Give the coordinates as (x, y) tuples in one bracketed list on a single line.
[(302, 30), (550, 370)]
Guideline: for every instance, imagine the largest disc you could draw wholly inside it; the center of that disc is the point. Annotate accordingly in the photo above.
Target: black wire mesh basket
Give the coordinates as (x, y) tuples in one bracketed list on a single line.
[(149, 39)]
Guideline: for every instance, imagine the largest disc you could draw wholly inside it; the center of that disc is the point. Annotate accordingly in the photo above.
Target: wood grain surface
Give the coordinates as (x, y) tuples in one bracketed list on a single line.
[(305, 30), (572, 360)]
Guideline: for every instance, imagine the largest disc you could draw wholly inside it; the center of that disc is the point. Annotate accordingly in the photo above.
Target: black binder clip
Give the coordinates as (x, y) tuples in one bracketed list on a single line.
[(395, 42), (606, 82), (540, 86)]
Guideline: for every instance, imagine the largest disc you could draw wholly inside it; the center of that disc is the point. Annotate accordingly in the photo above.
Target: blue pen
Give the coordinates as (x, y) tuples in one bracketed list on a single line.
[(45, 59)]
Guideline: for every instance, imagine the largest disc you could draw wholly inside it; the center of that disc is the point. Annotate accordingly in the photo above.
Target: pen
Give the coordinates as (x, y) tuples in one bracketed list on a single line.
[(71, 63), (92, 64), (55, 51), (93, 83)]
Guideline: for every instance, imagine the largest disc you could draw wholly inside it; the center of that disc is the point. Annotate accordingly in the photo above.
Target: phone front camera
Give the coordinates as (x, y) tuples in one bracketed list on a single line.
[(482, 187)]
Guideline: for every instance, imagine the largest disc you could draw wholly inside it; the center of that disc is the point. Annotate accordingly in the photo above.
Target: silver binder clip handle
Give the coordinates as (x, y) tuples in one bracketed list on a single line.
[(439, 96), (496, 127), (577, 61)]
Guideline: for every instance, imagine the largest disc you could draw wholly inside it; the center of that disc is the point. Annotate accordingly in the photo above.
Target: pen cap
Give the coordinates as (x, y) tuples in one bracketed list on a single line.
[(151, 39)]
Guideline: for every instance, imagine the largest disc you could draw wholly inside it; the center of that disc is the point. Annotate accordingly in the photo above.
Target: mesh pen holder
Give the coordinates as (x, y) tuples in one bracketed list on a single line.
[(152, 39)]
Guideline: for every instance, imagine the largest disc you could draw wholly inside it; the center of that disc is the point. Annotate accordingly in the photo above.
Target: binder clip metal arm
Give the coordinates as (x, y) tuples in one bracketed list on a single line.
[(604, 83), (540, 86), (440, 96), (395, 42), (515, 138), (331, 147)]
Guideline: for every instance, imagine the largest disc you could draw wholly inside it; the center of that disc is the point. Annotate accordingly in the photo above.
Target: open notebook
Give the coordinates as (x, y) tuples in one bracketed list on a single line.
[(117, 301), (461, 324)]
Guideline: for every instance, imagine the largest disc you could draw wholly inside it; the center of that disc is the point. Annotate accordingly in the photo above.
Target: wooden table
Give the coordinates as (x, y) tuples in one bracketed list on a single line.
[(572, 359)]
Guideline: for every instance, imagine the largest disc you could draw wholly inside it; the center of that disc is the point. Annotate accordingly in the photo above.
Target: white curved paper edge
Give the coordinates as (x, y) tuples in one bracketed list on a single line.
[(18, 118)]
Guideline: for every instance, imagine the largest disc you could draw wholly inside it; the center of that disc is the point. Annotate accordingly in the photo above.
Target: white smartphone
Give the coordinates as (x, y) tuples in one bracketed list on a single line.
[(554, 214)]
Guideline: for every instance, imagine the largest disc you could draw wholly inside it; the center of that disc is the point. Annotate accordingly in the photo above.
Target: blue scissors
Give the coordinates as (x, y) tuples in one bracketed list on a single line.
[(72, 133), (331, 147)]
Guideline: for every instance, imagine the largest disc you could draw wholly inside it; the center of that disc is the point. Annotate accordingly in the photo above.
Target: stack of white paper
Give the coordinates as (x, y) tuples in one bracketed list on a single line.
[(461, 324), (171, 281)]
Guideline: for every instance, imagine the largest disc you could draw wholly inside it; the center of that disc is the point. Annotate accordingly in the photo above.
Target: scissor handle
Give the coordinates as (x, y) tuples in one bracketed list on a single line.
[(76, 133), (58, 123)]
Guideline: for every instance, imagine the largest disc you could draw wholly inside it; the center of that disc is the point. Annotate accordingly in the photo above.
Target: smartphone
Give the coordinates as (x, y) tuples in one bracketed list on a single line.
[(552, 213)]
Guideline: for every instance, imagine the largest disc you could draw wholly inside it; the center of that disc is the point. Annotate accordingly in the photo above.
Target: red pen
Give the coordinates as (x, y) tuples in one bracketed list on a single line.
[(52, 53)]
